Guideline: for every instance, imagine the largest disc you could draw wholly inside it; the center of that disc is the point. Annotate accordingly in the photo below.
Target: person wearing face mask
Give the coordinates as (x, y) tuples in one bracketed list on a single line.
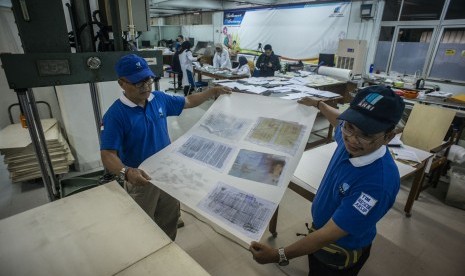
[(221, 58), (268, 62), (243, 67), (135, 128), (358, 188)]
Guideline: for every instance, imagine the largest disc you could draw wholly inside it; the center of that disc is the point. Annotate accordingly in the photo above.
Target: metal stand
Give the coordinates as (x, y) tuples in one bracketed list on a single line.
[(29, 107), (96, 107), (259, 49)]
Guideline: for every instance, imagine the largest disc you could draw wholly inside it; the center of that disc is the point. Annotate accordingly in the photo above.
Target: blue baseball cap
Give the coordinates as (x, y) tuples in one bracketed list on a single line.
[(134, 68), (374, 109)]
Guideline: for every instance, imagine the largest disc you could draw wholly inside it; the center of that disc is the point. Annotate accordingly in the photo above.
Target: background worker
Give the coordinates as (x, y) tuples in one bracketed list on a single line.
[(268, 62), (221, 58), (185, 59), (179, 41), (243, 67)]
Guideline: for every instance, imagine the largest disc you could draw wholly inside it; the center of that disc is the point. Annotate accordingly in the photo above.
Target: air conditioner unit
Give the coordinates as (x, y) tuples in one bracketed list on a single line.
[(351, 54)]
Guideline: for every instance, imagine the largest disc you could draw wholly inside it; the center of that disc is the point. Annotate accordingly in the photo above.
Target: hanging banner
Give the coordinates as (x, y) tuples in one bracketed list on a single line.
[(299, 32), (233, 18)]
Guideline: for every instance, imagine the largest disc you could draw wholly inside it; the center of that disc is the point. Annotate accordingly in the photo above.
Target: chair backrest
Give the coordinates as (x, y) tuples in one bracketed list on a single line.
[(190, 78), (427, 126), (256, 73), (251, 65)]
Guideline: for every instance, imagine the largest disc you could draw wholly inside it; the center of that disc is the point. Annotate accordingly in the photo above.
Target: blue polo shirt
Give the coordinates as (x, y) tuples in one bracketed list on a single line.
[(135, 132), (356, 193)]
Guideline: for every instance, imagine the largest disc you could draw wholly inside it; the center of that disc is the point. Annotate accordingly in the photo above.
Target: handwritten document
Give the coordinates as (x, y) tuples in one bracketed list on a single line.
[(226, 126), (278, 134), (240, 210)]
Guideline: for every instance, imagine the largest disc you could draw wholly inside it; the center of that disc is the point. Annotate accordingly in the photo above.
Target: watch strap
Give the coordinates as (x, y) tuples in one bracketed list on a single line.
[(282, 257), (123, 174)]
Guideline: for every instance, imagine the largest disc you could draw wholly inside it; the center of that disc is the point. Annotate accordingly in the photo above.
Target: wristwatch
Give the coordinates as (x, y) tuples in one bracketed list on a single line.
[(122, 175), (283, 261)]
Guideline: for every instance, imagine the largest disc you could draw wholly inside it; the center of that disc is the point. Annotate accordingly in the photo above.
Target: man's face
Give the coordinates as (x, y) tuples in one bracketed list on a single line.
[(138, 92), (218, 49), (179, 39), (268, 52), (358, 143)]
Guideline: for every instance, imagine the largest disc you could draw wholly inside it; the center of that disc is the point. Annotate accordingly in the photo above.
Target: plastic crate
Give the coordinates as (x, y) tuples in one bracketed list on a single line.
[(456, 192)]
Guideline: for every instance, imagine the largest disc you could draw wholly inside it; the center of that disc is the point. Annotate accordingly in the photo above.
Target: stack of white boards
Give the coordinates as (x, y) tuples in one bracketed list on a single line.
[(19, 154)]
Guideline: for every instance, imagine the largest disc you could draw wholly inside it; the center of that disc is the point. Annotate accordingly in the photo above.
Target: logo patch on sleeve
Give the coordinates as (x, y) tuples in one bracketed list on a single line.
[(364, 203)]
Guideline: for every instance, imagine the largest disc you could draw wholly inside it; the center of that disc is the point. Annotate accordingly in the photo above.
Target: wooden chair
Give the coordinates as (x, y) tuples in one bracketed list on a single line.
[(426, 129)]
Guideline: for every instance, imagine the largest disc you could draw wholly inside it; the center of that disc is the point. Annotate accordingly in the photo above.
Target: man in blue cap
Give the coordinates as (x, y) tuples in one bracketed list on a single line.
[(135, 128), (359, 186)]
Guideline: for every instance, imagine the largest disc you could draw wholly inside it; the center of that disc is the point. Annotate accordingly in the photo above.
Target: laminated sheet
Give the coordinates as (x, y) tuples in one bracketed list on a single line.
[(233, 167)]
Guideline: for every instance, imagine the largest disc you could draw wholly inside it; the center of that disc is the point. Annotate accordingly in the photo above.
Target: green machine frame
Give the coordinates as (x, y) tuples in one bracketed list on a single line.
[(48, 61)]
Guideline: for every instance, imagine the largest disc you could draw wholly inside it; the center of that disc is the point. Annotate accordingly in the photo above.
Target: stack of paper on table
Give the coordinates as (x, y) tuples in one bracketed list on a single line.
[(16, 145)]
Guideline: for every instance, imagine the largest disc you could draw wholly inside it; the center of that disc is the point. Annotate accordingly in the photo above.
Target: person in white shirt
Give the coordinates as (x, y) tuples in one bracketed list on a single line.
[(185, 60), (243, 68), (221, 58)]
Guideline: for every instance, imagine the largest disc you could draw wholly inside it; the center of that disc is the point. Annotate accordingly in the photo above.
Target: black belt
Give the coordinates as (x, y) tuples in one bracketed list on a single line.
[(337, 256)]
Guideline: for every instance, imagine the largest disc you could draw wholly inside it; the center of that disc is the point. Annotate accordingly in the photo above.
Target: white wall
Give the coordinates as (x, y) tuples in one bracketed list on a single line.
[(198, 32), (217, 19), (78, 120), (366, 29)]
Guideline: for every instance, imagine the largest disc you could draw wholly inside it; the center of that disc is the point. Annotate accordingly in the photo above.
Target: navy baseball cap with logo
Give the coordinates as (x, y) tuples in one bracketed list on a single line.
[(374, 109), (134, 68)]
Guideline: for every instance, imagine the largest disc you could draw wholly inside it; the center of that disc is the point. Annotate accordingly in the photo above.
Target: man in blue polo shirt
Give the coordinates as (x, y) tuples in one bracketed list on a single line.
[(135, 128), (359, 186)]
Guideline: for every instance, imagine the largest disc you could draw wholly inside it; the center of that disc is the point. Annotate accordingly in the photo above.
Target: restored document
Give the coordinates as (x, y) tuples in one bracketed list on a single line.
[(278, 134), (240, 210), (206, 151), (226, 126)]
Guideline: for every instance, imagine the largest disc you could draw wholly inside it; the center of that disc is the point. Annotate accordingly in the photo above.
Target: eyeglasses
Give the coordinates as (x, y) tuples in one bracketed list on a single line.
[(140, 85), (361, 138)]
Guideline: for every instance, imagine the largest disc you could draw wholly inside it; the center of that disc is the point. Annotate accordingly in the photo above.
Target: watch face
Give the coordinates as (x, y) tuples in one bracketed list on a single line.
[(283, 262)]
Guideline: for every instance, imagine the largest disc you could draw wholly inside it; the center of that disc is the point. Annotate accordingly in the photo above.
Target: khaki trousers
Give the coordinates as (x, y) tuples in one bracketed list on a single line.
[(160, 206)]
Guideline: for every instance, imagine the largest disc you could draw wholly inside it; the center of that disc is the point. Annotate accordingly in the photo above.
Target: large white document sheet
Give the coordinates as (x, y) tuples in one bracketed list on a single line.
[(233, 166)]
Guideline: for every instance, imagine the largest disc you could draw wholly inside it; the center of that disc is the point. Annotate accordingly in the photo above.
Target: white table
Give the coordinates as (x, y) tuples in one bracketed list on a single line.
[(313, 164), (101, 231)]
